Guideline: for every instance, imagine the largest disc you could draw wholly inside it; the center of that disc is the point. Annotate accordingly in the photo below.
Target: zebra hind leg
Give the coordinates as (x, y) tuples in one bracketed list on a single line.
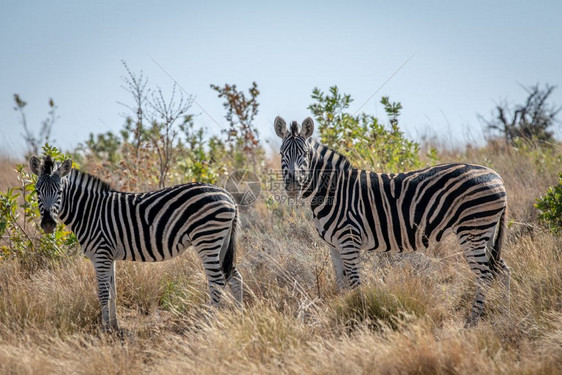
[(228, 259), (481, 262), (236, 285), (500, 269), (484, 280), (215, 278), (479, 265), (483, 253), (209, 252)]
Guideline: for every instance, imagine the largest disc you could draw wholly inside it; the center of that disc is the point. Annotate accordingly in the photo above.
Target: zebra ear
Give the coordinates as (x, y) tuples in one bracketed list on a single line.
[(307, 127), (280, 127), (64, 168), (35, 165)]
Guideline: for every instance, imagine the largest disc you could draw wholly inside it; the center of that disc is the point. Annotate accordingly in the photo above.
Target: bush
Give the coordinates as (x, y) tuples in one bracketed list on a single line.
[(550, 206), (19, 218), (363, 138), (242, 136), (160, 134)]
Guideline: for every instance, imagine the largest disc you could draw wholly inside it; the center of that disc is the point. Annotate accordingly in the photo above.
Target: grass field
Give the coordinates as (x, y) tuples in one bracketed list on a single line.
[(408, 316)]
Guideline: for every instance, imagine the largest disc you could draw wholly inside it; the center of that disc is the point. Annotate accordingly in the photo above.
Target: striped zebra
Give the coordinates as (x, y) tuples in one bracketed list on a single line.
[(148, 227), (357, 210)]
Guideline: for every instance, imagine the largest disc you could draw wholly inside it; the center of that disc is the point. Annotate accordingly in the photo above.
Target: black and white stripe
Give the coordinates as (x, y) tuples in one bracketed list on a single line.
[(148, 227), (357, 210)]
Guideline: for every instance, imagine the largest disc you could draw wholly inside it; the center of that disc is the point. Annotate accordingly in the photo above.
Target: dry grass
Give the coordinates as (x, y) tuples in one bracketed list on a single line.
[(407, 318), (8, 178)]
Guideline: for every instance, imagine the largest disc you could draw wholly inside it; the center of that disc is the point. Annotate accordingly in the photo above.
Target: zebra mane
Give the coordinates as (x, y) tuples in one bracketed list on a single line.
[(295, 129), (338, 160), (48, 165), (85, 179)]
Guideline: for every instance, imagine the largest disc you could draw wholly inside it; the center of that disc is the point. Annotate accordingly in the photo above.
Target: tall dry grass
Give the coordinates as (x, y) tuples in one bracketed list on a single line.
[(407, 317), (8, 178)]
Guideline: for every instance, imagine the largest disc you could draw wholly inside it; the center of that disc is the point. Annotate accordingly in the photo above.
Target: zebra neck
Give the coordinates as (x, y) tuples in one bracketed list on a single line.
[(81, 198), (326, 166)]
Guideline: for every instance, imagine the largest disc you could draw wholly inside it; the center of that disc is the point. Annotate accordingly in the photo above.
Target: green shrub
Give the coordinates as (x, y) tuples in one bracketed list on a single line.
[(199, 160), (362, 137), (160, 134), (19, 219), (544, 157), (550, 206)]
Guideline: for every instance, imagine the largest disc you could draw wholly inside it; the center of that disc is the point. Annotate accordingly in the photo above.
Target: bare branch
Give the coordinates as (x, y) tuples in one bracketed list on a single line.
[(530, 120), (164, 117), (35, 142)]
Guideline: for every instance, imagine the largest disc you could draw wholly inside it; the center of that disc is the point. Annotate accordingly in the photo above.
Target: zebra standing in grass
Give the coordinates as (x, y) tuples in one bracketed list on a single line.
[(148, 227), (356, 209)]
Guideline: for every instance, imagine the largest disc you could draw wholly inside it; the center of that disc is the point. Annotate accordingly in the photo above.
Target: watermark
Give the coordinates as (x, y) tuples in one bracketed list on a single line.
[(245, 187)]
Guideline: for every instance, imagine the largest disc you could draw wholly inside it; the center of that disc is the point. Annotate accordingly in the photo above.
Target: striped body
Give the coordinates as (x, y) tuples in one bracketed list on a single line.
[(147, 227), (405, 211), (357, 210)]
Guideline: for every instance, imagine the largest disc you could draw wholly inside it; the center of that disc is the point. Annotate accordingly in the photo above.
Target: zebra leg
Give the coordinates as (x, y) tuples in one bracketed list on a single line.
[(113, 299), (499, 268), (105, 275), (236, 285), (338, 267), (350, 258), (477, 256), (215, 276), (505, 273)]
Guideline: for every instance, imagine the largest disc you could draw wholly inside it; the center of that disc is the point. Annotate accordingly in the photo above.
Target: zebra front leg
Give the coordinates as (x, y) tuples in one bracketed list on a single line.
[(105, 275), (350, 259), (338, 268)]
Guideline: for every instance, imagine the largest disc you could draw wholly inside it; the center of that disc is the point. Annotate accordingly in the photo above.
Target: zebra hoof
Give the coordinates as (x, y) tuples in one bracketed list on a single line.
[(112, 329), (471, 322), (119, 334)]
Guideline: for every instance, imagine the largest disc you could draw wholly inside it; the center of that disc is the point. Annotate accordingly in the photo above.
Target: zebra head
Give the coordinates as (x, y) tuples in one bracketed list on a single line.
[(49, 188), (295, 153)]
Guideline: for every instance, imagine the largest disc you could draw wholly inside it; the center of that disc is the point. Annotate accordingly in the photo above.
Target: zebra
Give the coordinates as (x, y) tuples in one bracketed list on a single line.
[(148, 227), (357, 210)]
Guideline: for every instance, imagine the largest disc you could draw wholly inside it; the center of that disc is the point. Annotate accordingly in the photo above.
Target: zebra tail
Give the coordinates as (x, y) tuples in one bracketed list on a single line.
[(498, 243), (230, 255)]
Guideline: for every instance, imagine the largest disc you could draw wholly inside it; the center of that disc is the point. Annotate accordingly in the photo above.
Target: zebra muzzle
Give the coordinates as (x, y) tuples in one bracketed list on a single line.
[(48, 225)]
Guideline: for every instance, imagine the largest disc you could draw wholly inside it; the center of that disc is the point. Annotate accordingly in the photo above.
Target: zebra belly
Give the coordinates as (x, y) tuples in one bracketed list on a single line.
[(371, 234), (370, 244), (402, 239), (152, 250)]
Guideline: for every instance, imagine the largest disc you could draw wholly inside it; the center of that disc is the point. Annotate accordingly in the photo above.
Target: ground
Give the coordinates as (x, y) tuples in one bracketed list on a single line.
[(408, 316)]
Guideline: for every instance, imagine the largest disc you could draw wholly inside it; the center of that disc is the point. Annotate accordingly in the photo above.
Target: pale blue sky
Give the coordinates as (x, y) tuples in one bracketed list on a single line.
[(467, 57)]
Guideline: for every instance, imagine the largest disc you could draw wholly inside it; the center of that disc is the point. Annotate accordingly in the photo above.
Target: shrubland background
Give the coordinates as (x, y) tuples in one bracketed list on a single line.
[(407, 317)]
